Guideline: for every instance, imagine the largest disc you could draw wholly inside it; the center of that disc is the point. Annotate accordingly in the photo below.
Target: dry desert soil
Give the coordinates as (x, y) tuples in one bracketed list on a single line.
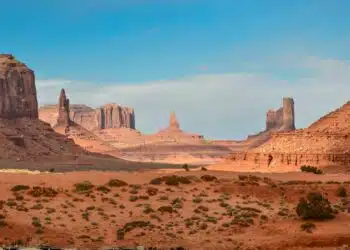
[(170, 207)]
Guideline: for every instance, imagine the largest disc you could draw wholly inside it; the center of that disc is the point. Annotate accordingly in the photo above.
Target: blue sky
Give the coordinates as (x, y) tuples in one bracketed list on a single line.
[(92, 45)]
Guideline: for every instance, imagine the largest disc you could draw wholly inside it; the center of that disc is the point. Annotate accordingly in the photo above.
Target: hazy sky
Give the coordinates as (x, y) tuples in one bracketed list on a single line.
[(220, 64)]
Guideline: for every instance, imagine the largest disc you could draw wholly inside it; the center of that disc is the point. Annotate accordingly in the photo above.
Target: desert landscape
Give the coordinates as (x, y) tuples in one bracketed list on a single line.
[(82, 177)]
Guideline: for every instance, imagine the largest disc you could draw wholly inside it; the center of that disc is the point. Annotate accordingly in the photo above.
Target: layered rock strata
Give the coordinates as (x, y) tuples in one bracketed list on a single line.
[(324, 143), (108, 116)]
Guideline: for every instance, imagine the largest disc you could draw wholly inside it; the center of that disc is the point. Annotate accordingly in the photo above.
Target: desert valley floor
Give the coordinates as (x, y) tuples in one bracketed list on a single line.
[(165, 208)]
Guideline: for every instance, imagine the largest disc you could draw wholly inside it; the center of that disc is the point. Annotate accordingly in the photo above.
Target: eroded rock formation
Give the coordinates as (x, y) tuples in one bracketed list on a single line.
[(22, 134), (324, 143), (174, 131), (108, 116), (282, 119), (63, 118), (17, 89)]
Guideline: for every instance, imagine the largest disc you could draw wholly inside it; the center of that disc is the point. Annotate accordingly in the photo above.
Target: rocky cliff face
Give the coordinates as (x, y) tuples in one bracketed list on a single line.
[(17, 89), (22, 135)]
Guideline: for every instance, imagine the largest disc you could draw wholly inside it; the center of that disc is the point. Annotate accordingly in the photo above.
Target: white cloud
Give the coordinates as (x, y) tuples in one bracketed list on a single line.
[(217, 105)]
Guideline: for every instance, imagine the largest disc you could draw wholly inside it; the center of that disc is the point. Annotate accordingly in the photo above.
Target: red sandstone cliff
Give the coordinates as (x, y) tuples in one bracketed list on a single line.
[(17, 89), (108, 116), (22, 134)]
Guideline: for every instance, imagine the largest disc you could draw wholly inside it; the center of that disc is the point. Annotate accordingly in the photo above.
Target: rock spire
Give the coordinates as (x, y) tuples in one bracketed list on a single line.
[(63, 110)]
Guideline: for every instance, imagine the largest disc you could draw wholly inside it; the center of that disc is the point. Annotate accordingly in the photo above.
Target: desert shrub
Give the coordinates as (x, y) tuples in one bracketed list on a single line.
[(42, 191), (133, 198), (341, 192), (208, 177), (185, 166), (308, 227), (171, 180), (152, 191), (314, 206), (204, 169), (310, 169), (156, 181), (174, 180), (166, 209), (197, 200), (116, 183), (148, 210), (83, 187), (19, 188), (103, 189), (177, 203), (36, 222), (143, 197)]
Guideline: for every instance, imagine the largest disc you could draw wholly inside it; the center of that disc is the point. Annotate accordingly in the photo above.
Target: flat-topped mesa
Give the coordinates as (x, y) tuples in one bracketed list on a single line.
[(115, 116), (63, 118), (282, 119), (18, 97), (109, 116)]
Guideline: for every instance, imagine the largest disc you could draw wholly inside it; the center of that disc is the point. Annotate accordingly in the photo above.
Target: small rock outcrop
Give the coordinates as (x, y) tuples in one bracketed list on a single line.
[(63, 118), (17, 89)]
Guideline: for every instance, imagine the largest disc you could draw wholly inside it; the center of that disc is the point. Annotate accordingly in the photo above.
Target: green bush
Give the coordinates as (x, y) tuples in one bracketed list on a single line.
[(314, 206), (310, 169)]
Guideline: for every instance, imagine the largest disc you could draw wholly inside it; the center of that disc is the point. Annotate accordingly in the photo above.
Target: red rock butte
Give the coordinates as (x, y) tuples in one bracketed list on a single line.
[(17, 89), (22, 135)]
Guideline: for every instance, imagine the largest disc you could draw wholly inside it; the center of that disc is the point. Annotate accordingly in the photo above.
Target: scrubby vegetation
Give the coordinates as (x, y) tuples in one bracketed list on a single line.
[(311, 169), (42, 191), (171, 180), (314, 206), (83, 187), (341, 192), (19, 188), (208, 177), (116, 183)]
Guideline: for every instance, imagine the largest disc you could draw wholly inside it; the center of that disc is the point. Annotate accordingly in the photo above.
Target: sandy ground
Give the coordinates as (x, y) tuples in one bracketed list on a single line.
[(199, 217)]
